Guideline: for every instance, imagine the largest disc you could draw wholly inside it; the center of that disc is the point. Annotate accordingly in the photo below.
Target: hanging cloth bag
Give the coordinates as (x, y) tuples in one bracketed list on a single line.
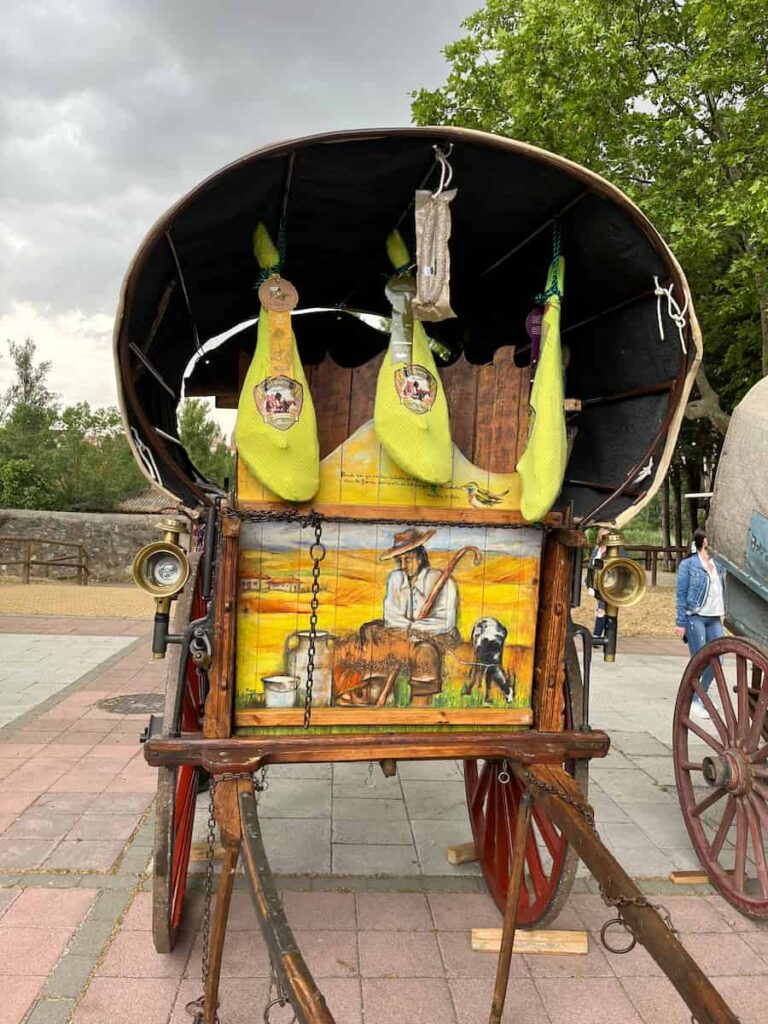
[(276, 428), (411, 411), (542, 464)]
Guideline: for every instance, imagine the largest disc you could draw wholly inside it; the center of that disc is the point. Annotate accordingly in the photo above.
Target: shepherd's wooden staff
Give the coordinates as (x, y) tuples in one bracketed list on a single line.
[(444, 576)]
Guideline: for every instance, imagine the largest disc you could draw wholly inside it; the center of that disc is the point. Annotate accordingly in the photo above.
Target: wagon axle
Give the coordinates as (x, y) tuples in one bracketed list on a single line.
[(730, 771)]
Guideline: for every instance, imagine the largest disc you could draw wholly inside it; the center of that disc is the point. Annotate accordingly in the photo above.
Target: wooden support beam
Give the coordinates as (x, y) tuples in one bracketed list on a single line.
[(560, 797), (697, 877), (463, 853), (488, 940)]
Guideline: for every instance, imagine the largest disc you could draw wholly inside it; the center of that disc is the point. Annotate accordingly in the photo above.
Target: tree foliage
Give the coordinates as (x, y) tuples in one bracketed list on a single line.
[(667, 99), (76, 458), (203, 441)]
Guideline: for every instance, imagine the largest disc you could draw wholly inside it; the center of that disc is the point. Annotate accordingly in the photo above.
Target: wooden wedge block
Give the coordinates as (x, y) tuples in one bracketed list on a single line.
[(697, 877), (199, 852), (488, 940), (464, 853)]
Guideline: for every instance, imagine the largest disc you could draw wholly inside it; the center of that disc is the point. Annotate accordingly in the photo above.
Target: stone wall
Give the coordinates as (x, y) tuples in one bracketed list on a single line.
[(110, 539)]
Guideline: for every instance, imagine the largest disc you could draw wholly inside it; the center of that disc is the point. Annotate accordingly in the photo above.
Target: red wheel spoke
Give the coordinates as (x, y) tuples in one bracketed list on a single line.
[(740, 860), (742, 698), (740, 729), (722, 832), (761, 808), (725, 700), (756, 834), (712, 711), (758, 716), (709, 740), (549, 833), (708, 801), (482, 788)]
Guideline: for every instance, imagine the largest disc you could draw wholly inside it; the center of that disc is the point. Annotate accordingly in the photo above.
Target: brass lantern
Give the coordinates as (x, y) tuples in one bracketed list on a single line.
[(162, 570), (620, 582)]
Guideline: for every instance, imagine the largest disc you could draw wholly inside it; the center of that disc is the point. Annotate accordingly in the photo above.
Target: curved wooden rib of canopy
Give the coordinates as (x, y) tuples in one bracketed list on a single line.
[(339, 196)]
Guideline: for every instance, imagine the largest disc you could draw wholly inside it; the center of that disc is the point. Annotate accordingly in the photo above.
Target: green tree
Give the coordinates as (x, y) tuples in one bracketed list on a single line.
[(669, 100), (74, 459), (28, 388), (203, 441)]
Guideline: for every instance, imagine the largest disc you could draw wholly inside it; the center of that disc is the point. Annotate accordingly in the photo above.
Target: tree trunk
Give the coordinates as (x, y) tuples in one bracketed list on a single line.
[(762, 292), (677, 508), (692, 486), (666, 540), (708, 405)]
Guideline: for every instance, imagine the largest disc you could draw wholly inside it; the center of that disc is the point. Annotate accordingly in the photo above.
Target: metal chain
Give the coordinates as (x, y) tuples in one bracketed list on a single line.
[(196, 1008), (317, 554), (292, 515), (585, 811), (630, 901)]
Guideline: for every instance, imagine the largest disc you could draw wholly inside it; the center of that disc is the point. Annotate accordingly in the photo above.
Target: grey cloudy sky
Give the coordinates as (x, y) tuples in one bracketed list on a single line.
[(112, 109)]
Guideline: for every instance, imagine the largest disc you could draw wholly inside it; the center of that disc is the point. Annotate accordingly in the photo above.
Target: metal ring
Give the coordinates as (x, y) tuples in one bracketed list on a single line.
[(314, 548), (504, 777), (278, 1001), (613, 949)]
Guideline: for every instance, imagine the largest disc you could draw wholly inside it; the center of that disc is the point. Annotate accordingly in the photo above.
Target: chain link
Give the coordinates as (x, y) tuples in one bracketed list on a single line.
[(618, 902), (196, 1008), (583, 808), (317, 554)]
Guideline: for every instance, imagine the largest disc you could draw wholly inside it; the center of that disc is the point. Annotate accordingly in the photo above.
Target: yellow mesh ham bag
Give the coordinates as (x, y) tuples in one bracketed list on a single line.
[(276, 428), (410, 414), (542, 464)]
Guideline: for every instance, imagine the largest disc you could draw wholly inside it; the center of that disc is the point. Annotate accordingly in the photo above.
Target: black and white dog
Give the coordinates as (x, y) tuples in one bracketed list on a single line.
[(488, 636)]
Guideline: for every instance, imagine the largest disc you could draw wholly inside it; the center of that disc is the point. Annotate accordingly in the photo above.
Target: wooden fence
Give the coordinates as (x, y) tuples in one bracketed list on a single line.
[(651, 554), (32, 550)]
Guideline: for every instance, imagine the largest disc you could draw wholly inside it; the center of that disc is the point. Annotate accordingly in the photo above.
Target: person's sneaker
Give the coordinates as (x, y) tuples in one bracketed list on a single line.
[(698, 711)]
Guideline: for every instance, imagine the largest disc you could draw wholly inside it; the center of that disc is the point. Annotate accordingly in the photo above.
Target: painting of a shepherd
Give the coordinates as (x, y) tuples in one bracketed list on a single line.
[(418, 625)]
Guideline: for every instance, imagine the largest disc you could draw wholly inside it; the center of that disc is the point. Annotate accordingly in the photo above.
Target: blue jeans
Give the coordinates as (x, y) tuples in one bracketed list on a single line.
[(700, 629)]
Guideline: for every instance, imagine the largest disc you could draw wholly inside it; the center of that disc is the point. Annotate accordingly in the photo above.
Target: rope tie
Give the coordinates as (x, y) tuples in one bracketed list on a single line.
[(674, 312), (552, 288), (276, 268), (446, 171)]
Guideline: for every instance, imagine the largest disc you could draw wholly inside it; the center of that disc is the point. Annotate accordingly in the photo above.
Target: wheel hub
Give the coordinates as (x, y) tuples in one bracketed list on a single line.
[(729, 770)]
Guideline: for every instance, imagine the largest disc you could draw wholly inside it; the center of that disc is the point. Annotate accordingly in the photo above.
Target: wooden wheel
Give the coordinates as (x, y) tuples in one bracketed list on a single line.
[(550, 863), (721, 768), (176, 787)]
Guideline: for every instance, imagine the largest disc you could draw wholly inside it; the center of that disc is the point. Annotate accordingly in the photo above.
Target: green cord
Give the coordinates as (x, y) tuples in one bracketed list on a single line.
[(552, 288), (276, 268)]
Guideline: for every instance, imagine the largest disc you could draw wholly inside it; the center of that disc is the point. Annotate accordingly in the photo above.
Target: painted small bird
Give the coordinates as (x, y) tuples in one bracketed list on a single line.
[(479, 497)]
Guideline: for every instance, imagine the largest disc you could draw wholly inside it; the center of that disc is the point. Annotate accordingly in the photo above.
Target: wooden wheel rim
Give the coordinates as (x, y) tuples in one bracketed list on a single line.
[(730, 780), (493, 806), (176, 788)]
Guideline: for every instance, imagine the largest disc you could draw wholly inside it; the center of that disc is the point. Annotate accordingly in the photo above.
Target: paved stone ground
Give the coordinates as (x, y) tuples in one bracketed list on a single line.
[(76, 843)]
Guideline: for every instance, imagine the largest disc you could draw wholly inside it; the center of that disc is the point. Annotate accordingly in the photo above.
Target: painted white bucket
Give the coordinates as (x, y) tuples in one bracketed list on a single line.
[(280, 691)]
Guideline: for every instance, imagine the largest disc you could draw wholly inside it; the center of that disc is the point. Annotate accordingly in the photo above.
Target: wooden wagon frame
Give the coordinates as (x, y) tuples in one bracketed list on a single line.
[(186, 320)]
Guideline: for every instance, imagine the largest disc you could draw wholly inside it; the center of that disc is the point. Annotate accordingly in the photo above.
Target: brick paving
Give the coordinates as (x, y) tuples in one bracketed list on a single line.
[(76, 838)]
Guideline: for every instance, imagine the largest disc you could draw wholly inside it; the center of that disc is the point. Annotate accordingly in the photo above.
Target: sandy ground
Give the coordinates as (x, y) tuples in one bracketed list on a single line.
[(69, 599), (653, 616)]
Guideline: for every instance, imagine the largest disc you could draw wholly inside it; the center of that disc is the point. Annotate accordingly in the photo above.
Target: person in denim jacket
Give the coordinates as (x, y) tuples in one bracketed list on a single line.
[(699, 606), (598, 552)]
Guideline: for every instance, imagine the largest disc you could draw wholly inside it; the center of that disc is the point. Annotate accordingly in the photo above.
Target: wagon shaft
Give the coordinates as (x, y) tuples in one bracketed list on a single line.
[(558, 793)]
